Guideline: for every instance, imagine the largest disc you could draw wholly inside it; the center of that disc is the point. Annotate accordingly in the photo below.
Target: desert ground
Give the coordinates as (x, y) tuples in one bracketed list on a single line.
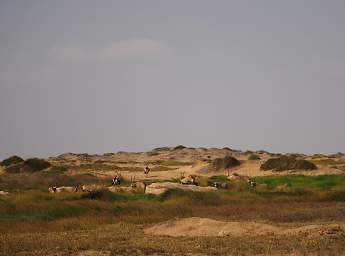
[(237, 204)]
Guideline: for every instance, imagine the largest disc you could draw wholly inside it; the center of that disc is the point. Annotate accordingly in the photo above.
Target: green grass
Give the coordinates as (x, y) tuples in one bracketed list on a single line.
[(52, 213), (219, 178), (322, 182), (32, 205)]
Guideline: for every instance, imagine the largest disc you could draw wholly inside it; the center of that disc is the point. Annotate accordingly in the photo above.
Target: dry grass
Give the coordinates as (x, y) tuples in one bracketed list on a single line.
[(35, 222)]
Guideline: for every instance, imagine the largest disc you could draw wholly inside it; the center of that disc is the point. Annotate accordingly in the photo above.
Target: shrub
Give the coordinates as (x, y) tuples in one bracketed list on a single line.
[(254, 157), (337, 155), (161, 149), (35, 164), (11, 160), (179, 147), (336, 196), (104, 195), (224, 163), (287, 163), (14, 168)]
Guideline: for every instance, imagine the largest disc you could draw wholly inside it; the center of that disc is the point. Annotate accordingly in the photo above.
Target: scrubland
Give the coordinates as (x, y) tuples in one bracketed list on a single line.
[(36, 222)]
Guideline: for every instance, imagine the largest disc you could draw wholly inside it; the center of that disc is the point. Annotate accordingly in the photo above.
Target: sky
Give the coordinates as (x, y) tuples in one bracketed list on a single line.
[(103, 76)]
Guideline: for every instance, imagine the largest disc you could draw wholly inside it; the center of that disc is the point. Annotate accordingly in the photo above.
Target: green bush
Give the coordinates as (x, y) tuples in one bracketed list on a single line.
[(287, 163), (224, 163), (254, 157), (35, 165), (11, 160)]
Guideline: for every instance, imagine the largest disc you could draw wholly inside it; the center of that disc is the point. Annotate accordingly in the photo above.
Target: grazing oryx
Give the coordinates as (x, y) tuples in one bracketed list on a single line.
[(221, 185), (91, 187), (3, 193), (137, 185), (62, 189), (252, 183), (191, 179)]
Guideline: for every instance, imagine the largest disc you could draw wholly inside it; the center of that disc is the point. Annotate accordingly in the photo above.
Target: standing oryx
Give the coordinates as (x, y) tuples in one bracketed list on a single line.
[(117, 179), (146, 170)]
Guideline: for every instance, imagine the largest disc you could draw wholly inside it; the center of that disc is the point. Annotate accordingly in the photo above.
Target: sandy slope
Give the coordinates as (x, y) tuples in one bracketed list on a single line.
[(207, 227), (252, 168), (249, 168), (157, 175)]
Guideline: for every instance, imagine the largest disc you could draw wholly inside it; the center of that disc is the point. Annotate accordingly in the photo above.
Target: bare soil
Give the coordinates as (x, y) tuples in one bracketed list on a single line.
[(207, 227)]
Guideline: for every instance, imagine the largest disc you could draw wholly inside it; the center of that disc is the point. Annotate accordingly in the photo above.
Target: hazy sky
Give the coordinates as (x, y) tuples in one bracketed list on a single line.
[(102, 76)]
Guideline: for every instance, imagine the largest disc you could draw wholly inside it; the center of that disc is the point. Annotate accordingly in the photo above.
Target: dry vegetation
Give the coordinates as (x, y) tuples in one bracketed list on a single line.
[(35, 222)]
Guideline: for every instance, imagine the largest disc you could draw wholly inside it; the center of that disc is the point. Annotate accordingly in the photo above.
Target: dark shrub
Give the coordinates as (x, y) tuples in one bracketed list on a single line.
[(287, 163), (103, 195), (336, 196), (179, 147), (161, 149), (35, 164), (337, 155), (11, 160), (14, 168), (224, 163), (254, 157)]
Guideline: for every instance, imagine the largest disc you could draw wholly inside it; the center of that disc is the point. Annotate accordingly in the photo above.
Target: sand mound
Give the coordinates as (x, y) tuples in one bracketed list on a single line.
[(159, 188), (207, 227)]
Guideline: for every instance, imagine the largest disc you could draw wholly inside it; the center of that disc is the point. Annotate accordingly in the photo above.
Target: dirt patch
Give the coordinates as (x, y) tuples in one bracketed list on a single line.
[(207, 227), (159, 188), (94, 253)]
